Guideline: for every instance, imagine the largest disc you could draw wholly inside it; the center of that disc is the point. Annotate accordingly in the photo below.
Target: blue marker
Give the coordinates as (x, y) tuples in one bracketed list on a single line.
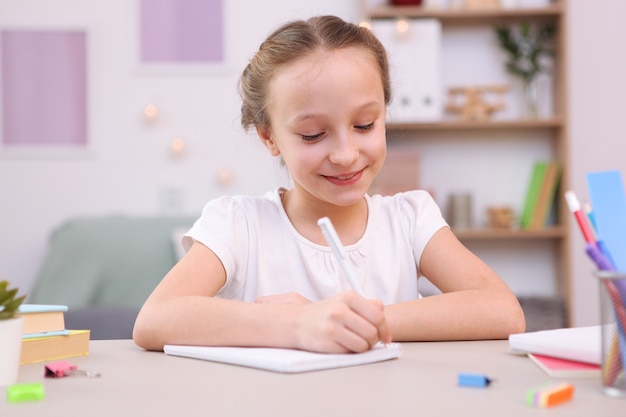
[(473, 380)]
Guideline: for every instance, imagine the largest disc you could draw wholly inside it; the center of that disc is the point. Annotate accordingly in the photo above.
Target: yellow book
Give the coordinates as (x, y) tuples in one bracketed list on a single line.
[(51, 348)]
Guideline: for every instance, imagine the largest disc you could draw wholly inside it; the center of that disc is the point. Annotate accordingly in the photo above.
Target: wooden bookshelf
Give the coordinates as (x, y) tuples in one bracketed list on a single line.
[(556, 126), (465, 16), (547, 123), (557, 232)]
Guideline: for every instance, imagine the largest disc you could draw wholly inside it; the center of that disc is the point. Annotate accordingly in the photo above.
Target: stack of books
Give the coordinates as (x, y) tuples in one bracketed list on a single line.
[(45, 337)]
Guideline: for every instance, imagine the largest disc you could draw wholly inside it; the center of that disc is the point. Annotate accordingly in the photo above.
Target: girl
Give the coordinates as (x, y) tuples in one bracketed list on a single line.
[(258, 271)]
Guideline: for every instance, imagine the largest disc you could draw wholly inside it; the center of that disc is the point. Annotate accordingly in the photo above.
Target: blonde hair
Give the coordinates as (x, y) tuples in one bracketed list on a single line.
[(293, 41)]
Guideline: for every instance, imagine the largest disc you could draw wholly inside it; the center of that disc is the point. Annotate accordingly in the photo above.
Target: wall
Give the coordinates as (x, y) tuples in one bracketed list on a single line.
[(597, 65), (129, 164)]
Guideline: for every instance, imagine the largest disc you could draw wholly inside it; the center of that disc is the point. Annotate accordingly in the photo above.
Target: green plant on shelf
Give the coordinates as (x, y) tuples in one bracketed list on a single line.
[(526, 47)]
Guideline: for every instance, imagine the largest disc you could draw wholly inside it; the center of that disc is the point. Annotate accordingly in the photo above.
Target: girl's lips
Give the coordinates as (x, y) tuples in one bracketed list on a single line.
[(346, 179)]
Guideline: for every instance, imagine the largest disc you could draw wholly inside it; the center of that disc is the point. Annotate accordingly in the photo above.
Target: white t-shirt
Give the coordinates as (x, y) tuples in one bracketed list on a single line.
[(263, 254)]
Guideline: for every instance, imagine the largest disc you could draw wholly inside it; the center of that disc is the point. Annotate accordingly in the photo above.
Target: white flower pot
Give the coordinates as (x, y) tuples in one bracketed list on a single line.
[(10, 349)]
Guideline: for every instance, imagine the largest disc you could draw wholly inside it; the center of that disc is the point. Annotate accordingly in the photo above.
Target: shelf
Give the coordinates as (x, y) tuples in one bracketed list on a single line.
[(466, 16), (545, 135), (555, 232), (551, 123)]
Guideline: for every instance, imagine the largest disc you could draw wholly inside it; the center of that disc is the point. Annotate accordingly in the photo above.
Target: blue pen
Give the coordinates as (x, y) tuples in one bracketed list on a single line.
[(591, 218)]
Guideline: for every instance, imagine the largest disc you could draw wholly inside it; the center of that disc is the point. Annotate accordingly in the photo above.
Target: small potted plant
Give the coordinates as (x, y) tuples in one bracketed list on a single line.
[(526, 47), (11, 328)]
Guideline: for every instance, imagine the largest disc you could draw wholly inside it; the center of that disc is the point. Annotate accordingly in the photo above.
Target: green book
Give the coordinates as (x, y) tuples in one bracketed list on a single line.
[(532, 194), (546, 196)]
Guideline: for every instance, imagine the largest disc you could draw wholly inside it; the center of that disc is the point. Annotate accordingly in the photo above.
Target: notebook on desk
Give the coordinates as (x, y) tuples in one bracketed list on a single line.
[(285, 360), (581, 344)]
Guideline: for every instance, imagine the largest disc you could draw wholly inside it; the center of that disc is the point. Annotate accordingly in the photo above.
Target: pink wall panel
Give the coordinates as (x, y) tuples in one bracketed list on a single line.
[(44, 88), (181, 31)]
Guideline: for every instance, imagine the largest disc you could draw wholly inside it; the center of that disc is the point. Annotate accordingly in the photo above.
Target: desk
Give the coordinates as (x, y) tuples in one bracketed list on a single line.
[(423, 382)]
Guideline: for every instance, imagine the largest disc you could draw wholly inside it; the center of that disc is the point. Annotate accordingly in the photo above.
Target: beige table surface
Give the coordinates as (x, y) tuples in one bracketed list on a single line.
[(422, 382)]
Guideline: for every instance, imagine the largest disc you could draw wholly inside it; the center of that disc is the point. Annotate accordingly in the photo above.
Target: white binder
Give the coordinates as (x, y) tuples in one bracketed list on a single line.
[(414, 50)]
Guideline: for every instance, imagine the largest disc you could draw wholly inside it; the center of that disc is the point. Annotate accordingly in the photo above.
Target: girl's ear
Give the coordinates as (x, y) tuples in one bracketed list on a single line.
[(266, 137)]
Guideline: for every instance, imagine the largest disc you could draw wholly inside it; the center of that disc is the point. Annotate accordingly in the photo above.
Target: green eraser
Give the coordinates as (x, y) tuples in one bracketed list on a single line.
[(18, 393)]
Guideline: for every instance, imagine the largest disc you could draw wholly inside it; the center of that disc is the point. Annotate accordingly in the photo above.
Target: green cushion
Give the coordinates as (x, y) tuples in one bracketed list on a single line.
[(107, 261)]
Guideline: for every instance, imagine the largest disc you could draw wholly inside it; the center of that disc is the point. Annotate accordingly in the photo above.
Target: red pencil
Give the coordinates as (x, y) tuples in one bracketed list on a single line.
[(581, 219)]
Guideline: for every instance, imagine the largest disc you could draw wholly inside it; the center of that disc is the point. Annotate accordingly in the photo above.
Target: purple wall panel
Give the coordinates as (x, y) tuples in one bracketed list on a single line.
[(177, 31), (44, 88)]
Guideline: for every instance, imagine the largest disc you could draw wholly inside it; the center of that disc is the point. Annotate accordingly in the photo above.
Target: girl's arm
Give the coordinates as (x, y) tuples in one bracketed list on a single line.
[(475, 304), (183, 310)]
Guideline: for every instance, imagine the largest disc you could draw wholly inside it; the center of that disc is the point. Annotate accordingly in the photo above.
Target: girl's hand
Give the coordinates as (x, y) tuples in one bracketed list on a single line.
[(341, 324), (286, 298)]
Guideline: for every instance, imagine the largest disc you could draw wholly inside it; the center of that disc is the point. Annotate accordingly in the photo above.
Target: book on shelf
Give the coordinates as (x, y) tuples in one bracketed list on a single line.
[(546, 196), (564, 368), (42, 318), (540, 194), (50, 348), (532, 193)]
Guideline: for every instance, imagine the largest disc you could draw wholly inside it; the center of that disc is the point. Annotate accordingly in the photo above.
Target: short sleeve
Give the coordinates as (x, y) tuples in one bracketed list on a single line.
[(223, 228), (424, 217)]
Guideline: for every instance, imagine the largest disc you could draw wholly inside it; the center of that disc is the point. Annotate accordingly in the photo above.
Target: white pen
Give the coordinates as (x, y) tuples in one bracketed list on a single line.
[(335, 244)]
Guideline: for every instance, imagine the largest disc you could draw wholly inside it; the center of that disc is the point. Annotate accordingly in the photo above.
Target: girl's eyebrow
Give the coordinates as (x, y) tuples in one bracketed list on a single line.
[(364, 106), (305, 116)]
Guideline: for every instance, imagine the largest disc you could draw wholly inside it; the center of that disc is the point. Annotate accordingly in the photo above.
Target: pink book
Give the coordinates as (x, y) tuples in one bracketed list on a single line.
[(563, 368)]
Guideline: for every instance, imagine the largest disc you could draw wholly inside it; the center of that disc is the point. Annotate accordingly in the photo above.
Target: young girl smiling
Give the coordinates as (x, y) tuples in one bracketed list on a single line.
[(258, 271)]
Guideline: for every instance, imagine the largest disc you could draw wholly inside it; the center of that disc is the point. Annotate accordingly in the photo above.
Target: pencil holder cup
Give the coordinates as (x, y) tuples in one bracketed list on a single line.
[(613, 316)]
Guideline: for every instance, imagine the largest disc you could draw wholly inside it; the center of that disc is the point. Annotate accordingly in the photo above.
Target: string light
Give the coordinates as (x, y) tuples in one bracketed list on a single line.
[(402, 26), (225, 176), (150, 112), (177, 147)]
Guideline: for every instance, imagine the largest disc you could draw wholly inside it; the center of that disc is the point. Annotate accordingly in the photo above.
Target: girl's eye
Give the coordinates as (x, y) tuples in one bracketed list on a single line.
[(365, 127), (311, 138)]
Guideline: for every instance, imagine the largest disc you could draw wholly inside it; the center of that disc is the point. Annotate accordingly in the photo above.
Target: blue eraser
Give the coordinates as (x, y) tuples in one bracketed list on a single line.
[(473, 380)]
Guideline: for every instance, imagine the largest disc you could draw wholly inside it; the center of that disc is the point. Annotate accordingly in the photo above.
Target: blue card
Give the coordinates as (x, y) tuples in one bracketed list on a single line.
[(608, 201)]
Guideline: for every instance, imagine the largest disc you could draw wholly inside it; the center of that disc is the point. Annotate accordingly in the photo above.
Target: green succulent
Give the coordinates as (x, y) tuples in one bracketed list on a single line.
[(9, 302), (525, 45)]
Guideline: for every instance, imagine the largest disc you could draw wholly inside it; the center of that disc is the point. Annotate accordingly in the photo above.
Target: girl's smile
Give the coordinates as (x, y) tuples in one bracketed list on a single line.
[(346, 179)]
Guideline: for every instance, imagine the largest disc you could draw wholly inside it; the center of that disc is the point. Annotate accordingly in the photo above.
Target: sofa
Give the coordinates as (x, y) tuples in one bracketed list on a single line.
[(104, 268)]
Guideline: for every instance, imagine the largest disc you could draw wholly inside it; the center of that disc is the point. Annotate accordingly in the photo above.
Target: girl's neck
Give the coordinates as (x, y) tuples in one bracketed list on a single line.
[(349, 221)]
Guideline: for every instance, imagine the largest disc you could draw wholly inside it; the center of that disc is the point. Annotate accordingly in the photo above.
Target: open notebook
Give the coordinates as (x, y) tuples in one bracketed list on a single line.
[(581, 344), (285, 360)]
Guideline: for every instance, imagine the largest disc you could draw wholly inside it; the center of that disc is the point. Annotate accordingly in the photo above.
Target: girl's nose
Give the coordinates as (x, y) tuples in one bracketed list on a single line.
[(345, 151)]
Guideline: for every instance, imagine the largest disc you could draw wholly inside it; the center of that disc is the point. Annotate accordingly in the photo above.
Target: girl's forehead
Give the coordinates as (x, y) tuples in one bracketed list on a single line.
[(325, 82), (318, 64), (320, 60)]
